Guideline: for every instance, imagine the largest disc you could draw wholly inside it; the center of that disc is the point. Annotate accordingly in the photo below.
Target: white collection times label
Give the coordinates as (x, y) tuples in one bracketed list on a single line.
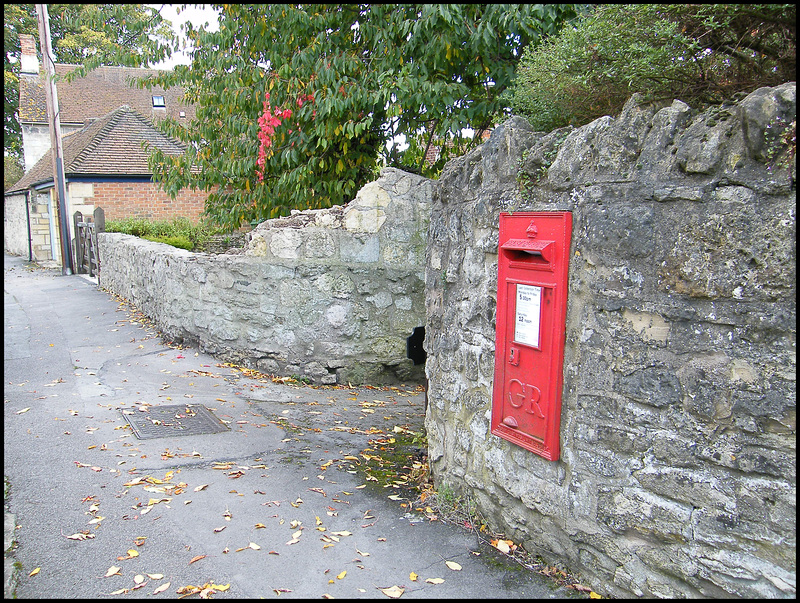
[(528, 315)]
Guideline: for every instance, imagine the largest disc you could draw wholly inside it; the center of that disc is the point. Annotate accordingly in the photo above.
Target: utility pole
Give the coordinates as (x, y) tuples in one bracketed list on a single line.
[(54, 122)]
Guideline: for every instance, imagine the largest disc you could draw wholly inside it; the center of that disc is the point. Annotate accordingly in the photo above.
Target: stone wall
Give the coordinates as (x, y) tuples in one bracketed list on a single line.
[(15, 224), (677, 475), (331, 295)]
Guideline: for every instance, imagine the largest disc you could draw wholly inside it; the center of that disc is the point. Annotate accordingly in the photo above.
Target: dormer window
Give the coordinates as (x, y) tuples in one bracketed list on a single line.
[(158, 101)]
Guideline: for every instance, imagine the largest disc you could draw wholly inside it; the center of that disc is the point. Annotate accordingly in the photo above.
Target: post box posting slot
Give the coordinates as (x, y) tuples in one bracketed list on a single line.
[(532, 283)]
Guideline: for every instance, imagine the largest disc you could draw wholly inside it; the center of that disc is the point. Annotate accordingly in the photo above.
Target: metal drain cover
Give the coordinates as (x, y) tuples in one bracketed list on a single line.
[(174, 420)]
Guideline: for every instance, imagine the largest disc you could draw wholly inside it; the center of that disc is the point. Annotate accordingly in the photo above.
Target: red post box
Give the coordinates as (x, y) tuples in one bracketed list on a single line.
[(532, 271)]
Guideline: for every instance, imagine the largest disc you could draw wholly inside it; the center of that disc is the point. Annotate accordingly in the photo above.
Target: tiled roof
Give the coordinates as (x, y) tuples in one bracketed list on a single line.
[(100, 91), (110, 146)]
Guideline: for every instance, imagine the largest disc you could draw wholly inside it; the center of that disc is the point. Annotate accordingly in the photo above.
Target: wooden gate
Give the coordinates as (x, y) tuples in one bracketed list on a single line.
[(87, 260)]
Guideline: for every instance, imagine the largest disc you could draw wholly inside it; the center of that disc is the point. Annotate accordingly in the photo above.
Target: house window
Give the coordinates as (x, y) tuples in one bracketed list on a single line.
[(158, 101)]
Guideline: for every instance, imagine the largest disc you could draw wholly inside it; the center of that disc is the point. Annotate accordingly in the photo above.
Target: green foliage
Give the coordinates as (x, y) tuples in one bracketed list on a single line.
[(81, 34), (180, 242), (12, 171), (699, 53), (374, 71), (178, 232)]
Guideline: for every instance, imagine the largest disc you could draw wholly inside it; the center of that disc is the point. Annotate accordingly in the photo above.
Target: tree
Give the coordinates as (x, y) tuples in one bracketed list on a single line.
[(83, 34), (699, 53), (12, 171), (296, 103)]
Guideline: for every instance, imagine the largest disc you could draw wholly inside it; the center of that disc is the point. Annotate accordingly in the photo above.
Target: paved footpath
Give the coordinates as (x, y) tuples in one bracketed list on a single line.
[(278, 504)]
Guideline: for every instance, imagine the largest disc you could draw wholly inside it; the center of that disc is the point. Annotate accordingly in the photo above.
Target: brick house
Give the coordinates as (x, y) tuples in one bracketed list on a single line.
[(105, 165), (104, 120)]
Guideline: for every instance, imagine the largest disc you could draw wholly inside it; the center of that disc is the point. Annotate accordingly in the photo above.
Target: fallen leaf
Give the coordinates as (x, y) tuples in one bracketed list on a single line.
[(435, 580), (155, 576), (254, 546), (161, 588), (342, 533), (260, 525), (121, 591), (80, 536), (131, 554), (138, 578), (342, 575), (217, 530), (113, 571), (393, 591), (34, 572), (594, 595), (19, 412), (413, 576), (502, 546), (453, 566), (197, 558)]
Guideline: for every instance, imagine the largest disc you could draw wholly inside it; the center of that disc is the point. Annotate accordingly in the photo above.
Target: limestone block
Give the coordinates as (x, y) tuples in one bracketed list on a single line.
[(367, 212), (285, 243)]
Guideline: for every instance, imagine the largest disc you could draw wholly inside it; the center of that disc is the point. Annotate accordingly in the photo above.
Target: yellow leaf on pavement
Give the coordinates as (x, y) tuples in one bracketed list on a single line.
[(594, 595), (413, 576), (342, 575), (453, 566), (161, 588), (393, 592), (34, 572), (113, 571), (435, 580), (502, 546)]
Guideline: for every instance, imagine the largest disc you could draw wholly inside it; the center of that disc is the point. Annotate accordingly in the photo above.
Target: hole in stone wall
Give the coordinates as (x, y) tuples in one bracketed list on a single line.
[(414, 349)]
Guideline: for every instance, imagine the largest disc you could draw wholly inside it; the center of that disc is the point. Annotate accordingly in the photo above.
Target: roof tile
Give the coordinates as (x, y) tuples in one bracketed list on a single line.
[(110, 146), (102, 90)]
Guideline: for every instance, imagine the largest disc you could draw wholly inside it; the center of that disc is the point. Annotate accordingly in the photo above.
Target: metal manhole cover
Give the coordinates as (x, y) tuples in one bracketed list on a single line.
[(174, 420)]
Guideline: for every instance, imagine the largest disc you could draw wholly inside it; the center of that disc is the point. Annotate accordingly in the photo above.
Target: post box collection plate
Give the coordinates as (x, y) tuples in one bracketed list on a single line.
[(532, 273)]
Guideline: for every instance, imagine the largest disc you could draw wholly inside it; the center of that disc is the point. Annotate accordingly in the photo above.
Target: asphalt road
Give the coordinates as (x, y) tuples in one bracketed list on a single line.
[(285, 501)]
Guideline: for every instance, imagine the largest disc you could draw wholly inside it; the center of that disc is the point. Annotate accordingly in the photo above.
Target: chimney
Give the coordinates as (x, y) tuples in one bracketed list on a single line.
[(29, 62)]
